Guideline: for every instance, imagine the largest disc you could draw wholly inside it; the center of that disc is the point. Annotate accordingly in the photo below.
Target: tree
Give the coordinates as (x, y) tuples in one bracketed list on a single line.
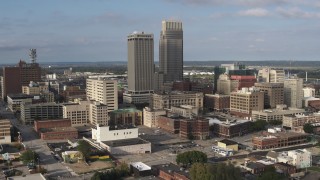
[(29, 156), (270, 173), (258, 125), (220, 171), (308, 128), (84, 148), (190, 157), (119, 172)]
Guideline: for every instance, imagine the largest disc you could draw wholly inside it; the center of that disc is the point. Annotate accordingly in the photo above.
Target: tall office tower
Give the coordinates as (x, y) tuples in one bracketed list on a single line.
[(21, 75), (140, 68), (104, 91), (274, 94), (293, 92), (171, 51), (271, 75)]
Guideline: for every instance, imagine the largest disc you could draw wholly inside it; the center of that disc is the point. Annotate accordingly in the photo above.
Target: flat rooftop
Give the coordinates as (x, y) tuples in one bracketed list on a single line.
[(126, 110), (140, 166), (20, 96), (171, 169), (125, 142)]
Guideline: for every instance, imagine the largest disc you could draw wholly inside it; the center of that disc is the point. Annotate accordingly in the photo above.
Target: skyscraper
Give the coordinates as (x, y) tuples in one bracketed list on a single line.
[(171, 51), (293, 92), (140, 67)]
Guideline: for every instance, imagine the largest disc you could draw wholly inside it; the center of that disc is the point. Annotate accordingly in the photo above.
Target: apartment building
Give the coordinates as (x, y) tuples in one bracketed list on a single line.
[(230, 129), (126, 116), (243, 102), (297, 120), (194, 129), (104, 91), (78, 112), (293, 93), (275, 114), (217, 102), (175, 98)]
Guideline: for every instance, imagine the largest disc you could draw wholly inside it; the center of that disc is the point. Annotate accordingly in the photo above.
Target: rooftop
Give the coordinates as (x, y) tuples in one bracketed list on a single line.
[(171, 169), (140, 166), (127, 110), (37, 176), (20, 96), (57, 129), (228, 142), (125, 142)]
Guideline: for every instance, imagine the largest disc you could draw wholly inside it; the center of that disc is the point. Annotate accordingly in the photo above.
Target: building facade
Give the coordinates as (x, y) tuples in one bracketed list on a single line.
[(243, 102), (194, 129), (151, 117), (293, 93), (126, 116), (171, 51), (104, 91), (5, 133), (271, 75), (230, 129), (274, 114), (217, 102), (273, 94)]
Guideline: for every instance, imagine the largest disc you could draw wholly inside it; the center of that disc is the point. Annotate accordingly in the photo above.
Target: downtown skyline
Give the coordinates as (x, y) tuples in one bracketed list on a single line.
[(95, 31)]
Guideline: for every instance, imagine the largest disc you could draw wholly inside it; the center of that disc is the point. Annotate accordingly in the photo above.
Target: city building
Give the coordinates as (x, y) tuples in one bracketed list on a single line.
[(271, 75), (297, 120), (171, 171), (273, 94), (225, 85), (243, 81), (217, 102), (230, 129), (279, 139), (285, 168), (309, 92), (293, 93), (244, 101), (300, 158), (15, 101), (5, 133), (140, 68), (85, 112), (186, 111), (170, 123), (40, 111), (129, 116), (21, 75), (254, 167), (175, 98), (104, 91), (55, 129), (139, 169), (194, 128), (151, 116), (228, 144), (171, 51), (275, 114), (112, 133)]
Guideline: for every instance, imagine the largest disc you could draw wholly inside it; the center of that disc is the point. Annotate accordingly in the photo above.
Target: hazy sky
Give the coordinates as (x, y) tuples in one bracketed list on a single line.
[(96, 30)]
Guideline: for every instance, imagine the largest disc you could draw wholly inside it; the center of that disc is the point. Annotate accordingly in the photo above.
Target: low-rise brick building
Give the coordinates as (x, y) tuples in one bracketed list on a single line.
[(195, 128), (51, 124), (55, 129), (229, 129), (171, 172), (217, 102), (169, 123)]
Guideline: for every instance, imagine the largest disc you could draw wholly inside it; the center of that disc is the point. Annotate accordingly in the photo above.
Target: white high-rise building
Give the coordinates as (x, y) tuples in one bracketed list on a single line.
[(309, 92), (271, 75), (104, 91), (293, 93)]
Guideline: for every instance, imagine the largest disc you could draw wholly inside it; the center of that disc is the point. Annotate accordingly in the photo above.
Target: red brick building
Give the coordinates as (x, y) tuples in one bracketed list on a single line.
[(170, 124), (287, 169), (217, 102), (171, 172), (244, 81), (231, 128), (51, 124), (58, 133), (196, 128), (314, 105)]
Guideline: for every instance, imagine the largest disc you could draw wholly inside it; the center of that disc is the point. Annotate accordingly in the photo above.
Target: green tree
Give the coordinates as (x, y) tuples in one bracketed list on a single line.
[(220, 171), (258, 125), (270, 173), (119, 172), (29, 156), (308, 128), (190, 157), (84, 148)]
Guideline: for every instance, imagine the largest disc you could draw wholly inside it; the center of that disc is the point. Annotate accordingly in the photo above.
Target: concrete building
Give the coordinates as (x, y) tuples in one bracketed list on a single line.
[(5, 133), (300, 158), (228, 144), (278, 139), (225, 85), (230, 129), (243, 102), (140, 68), (186, 111), (169, 123), (309, 92), (151, 117), (166, 100), (273, 94), (77, 112), (293, 121), (104, 91), (98, 114), (15, 101), (271, 75), (128, 116), (217, 102), (275, 114), (171, 51), (112, 133), (293, 93), (194, 129), (41, 111)]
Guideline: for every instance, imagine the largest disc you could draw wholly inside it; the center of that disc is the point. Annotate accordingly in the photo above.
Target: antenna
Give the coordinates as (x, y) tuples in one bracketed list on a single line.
[(33, 55)]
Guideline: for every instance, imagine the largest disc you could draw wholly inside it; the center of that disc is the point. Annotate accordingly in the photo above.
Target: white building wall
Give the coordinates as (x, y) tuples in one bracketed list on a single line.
[(301, 158), (104, 134), (133, 149), (150, 117)]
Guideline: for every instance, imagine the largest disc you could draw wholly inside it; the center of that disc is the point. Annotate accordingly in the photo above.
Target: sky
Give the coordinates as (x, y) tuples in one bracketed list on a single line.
[(96, 30)]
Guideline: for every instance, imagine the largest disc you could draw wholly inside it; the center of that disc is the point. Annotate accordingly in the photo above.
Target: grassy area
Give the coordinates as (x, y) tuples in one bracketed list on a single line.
[(314, 168)]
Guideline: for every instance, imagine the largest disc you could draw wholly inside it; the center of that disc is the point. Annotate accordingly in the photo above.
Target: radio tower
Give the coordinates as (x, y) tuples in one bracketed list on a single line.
[(33, 55)]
